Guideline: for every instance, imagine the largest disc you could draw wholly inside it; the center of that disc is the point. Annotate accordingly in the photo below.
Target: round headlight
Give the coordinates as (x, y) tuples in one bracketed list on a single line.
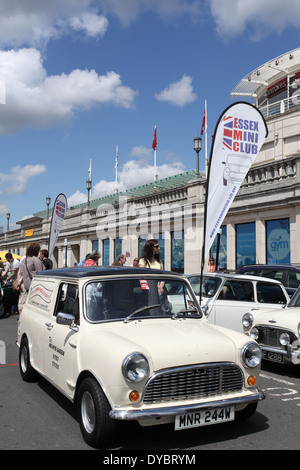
[(135, 367), (247, 320), (254, 333), (251, 355), (284, 339)]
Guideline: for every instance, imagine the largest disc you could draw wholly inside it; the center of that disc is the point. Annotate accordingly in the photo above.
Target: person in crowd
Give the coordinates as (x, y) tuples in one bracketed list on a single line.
[(135, 262), (151, 258), (121, 260), (81, 262), (30, 264), (10, 274), (211, 264), (11, 268), (92, 260), (44, 257)]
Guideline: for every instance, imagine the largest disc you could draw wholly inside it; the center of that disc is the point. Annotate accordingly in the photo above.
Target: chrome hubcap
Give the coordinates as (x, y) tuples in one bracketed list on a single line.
[(88, 412)]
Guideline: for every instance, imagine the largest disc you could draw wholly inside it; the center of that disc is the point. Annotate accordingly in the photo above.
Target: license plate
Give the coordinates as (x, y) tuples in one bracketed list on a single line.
[(204, 418), (273, 356)]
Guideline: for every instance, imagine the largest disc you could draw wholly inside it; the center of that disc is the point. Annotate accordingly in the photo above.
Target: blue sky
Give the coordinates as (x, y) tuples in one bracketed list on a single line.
[(81, 77)]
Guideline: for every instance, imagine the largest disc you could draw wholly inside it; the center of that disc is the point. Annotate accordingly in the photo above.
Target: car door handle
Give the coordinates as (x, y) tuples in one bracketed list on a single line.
[(49, 325)]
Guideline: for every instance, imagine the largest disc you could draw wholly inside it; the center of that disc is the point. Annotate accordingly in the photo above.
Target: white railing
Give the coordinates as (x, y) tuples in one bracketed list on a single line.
[(281, 107)]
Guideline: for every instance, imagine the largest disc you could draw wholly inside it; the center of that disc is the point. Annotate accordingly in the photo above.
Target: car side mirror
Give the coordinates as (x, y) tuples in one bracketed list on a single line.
[(66, 319), (205, 310)]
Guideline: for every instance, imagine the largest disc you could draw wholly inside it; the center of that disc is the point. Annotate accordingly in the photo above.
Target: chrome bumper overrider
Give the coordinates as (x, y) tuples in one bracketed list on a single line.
[(289, 354), (120, 414)]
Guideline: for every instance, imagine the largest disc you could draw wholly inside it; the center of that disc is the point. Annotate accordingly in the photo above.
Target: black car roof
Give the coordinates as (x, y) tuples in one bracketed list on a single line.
[(90, 271), (270, 266)]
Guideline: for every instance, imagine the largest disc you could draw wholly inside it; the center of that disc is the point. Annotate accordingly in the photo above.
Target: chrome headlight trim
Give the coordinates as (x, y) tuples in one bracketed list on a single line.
[(284, 339), (254, 333), (135, 367), (251, 355), (247, 320)]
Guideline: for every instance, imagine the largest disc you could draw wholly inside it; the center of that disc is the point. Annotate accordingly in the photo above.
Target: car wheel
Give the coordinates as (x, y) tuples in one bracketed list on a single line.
[(246, 412), (96, 426), (28, 373)]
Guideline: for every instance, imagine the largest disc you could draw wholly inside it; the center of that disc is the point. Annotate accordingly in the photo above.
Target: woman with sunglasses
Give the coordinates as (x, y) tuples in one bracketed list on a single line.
[(151, 258), (211, 264)]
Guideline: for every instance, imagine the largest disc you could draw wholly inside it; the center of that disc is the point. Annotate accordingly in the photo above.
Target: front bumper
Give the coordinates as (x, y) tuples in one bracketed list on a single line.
[(171, 411), (289, 355)]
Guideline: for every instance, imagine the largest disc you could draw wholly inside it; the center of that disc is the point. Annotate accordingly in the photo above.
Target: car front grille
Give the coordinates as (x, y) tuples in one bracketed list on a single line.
[(194, 382), (269, 336)]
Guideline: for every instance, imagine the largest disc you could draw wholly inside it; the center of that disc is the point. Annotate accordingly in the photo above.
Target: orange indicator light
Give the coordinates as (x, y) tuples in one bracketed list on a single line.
[(134, 395), (251, 380)]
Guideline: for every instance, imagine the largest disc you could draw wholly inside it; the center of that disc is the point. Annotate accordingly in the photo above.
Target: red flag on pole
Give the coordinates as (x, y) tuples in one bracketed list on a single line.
[(203, 122), (154, 143)]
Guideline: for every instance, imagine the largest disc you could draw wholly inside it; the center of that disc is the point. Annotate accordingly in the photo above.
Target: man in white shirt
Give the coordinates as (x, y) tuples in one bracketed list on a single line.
[(11, 267)]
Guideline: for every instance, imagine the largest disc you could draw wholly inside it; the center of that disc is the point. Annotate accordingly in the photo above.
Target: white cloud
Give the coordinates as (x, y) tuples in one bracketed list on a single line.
[(178, 93), (133, 173), (77, 198), (34, 99), (92, 24), (18, 178), (264, 17), (34, 22)]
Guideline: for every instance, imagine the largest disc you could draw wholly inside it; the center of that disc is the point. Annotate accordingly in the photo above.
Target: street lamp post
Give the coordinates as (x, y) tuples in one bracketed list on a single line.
[(8, 217), (197, 148), (48, 202), (89, 187)]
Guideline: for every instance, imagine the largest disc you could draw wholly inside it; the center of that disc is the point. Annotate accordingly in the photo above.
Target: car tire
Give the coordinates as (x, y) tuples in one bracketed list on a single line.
[(97, 428), (246, 412), (28, 373)]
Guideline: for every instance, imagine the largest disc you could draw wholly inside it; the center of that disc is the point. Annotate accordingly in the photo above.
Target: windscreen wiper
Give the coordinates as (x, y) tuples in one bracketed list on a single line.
[(139, 310), (182, 312)]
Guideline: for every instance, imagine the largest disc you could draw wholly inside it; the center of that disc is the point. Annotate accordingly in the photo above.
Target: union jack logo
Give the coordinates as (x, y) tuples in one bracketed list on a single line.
[(228, 132), (60, 209)]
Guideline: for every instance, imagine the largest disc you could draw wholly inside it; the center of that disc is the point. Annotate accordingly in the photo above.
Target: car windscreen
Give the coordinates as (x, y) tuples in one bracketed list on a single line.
[(295, 300), (122, 299), (210, 285)]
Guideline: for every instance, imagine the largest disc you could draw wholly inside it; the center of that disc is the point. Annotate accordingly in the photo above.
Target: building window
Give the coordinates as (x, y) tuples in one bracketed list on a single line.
[(222, 248), (142, 241), (278, 241), (118, 248), (106, 252), (177, 251), (161, 239), (95, 245), (245, 244)]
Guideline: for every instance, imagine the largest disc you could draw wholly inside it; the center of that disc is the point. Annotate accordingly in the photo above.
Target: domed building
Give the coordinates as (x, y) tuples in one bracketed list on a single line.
[(261, 226)]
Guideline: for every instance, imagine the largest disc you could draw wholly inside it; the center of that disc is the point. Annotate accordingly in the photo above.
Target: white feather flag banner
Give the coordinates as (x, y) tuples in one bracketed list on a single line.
[(239, 135), (58, 216)]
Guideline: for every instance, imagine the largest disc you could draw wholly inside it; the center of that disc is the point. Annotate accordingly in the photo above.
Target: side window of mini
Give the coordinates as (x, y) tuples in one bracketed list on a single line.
[(68, 300), (238, 291)]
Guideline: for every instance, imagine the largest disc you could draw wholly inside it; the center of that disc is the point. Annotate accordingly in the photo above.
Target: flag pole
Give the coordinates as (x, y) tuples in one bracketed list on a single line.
[(205, 135), (116, 168), (154, 146)]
